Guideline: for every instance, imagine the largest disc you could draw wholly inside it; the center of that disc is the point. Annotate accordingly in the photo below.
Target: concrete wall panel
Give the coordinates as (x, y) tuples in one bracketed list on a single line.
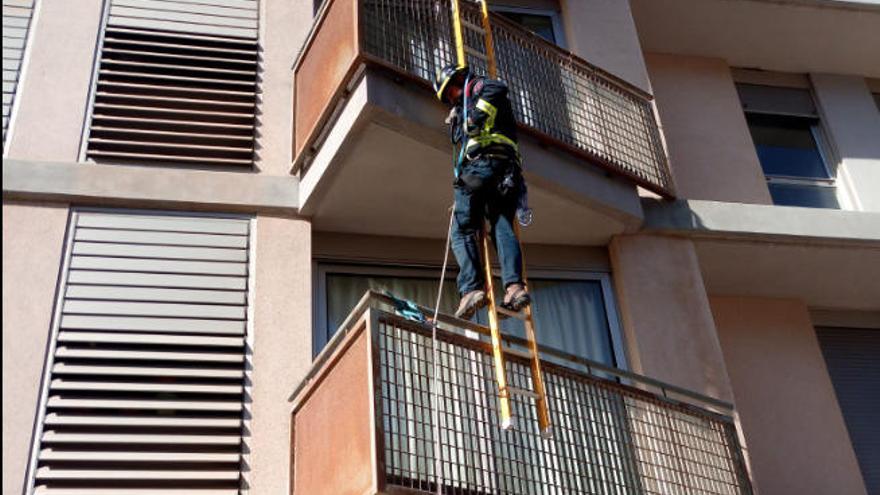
[(33, 244), (282, 344), (603, 33), (835, 36), (284, 26), (711, 152), (797, 439), (667, 321), (325, 63), (54, 97), (332, 430), (853, 122)]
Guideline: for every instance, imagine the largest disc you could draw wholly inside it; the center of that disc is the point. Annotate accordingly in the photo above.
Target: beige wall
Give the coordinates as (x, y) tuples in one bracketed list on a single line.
[(282, 345), (53, 98), (667, 321), (851, 118), (797, 439), (711, 152), (603, 33), (33, 241)]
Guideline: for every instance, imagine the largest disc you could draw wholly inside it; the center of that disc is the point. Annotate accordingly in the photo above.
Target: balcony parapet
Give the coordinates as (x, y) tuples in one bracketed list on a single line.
[(363, 420), (559, 98)]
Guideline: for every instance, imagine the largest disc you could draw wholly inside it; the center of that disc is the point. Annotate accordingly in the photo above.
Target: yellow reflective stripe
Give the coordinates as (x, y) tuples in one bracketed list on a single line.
[(484, 140), (491, 111)]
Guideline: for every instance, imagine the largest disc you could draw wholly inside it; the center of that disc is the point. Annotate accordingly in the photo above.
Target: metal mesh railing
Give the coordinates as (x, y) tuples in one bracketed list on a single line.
[(552, 91), (607, 438)]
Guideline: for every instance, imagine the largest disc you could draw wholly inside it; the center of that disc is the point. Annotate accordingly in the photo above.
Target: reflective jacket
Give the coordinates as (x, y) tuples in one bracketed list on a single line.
[(491, 127)]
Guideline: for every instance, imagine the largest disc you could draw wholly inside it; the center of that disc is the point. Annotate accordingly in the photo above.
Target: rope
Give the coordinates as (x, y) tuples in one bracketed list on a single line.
[(435, 395)]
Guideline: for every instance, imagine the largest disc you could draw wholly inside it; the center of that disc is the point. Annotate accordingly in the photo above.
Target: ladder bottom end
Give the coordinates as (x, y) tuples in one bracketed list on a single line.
[(547, 434), (507, 424)]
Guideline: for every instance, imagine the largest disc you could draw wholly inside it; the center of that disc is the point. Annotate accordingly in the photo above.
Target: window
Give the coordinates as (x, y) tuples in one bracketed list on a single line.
[(877, 100), (790, 144), (573, 312), (789, 153), (543, 23)]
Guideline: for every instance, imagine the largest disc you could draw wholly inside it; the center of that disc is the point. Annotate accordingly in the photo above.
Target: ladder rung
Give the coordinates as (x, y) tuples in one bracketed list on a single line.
[(475, 53), (473, 27), (518, 353), (522, 391), (521, 315)]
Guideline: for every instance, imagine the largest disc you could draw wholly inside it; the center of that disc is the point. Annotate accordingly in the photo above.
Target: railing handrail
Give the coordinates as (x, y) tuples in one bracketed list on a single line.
[(497, 19), (374, 299)]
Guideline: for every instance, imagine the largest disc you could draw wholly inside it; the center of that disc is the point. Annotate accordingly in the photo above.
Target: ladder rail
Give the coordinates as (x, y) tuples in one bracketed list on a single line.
[(495, 333), (490, 43), (535, 363)]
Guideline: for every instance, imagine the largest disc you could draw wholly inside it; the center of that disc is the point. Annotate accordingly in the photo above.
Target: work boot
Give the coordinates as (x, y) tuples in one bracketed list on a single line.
[(470, 303), (516, 297)]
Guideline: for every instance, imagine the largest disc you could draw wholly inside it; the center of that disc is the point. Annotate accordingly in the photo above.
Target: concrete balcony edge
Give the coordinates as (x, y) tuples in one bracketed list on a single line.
[(378, 99), (740, 221), (130, 186)]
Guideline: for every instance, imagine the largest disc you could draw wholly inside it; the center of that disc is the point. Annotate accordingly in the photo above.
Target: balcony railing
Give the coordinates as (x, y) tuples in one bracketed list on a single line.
[(363, 421), (557, 97)]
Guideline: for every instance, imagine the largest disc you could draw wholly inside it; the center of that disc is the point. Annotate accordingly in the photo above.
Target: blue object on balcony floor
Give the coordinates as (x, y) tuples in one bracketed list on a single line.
[(406, 308)]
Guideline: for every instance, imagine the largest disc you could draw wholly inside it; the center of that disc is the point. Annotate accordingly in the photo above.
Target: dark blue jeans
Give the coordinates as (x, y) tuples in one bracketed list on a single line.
[(477, 199)]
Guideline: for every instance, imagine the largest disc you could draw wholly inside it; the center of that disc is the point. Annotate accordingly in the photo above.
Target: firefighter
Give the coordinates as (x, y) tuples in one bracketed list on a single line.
[(488, 184)]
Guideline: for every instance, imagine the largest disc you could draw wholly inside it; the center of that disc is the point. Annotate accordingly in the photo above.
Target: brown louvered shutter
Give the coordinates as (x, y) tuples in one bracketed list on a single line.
[(146, 381), (176, 83)]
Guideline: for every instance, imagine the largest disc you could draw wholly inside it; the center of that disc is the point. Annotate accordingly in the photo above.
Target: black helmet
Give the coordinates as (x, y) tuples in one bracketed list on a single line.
[(446, 74)]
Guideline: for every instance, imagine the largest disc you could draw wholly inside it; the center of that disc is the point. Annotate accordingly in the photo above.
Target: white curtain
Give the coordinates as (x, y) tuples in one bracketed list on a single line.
[(570, 315)]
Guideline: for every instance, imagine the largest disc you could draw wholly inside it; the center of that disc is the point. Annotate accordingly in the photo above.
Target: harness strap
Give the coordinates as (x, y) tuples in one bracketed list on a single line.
[(461, 152)]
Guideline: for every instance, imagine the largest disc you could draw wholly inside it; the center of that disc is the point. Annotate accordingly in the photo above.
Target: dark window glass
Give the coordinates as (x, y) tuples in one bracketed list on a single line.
[(786, 146), (804, 195), (542, 25), (877, 100)]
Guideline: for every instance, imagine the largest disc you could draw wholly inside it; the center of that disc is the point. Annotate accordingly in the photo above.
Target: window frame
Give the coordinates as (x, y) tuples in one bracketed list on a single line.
[(321, 269), (823, 146), (555, 19)]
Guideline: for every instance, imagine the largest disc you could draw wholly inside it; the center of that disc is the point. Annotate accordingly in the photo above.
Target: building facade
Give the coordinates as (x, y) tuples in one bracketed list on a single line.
[(198, 193)]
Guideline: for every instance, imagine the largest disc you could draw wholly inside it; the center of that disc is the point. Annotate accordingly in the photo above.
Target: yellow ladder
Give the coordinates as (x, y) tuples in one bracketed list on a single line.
[(505, 391)]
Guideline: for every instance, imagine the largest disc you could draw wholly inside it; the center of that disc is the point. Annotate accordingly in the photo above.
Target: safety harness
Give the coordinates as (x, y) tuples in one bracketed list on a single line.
[(488, 138)]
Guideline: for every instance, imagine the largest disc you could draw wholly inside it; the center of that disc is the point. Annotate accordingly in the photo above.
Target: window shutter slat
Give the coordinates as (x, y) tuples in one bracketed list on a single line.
[(177, 83), (146, 384)]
